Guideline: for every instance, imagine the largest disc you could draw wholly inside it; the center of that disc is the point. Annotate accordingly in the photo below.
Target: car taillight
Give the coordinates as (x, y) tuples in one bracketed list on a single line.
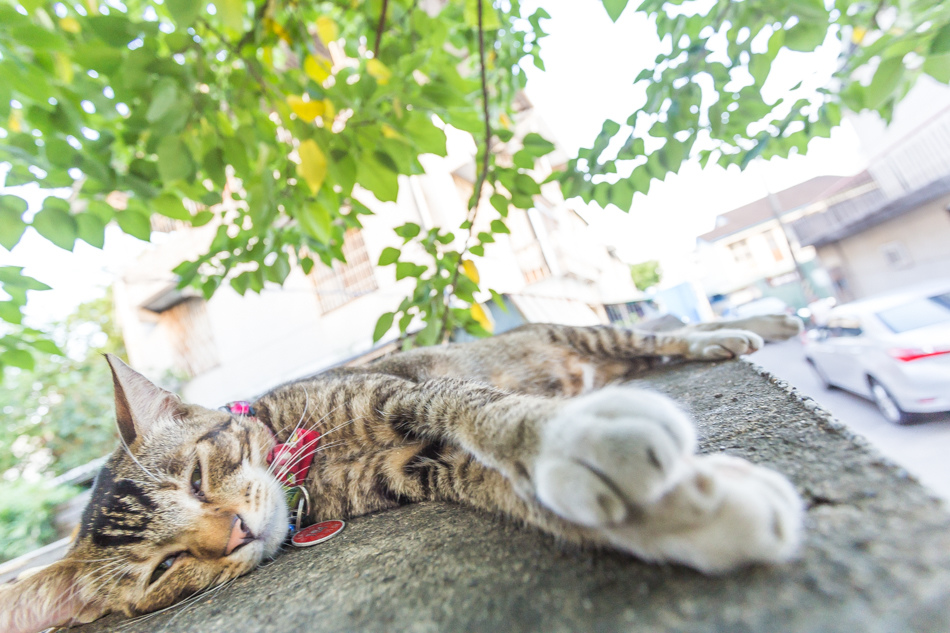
[(905, 355)]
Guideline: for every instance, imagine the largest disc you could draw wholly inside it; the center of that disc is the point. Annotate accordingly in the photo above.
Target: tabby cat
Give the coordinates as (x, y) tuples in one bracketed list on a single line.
[(529, 423)]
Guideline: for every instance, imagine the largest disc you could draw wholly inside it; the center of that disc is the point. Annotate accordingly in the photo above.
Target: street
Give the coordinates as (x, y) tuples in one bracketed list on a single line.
[(920, 448)]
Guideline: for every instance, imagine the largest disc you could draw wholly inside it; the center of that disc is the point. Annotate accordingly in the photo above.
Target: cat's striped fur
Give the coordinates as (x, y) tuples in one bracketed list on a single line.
[(502, 424)]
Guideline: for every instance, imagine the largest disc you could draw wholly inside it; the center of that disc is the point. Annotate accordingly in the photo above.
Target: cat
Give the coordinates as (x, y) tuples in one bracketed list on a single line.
[(533, 423)]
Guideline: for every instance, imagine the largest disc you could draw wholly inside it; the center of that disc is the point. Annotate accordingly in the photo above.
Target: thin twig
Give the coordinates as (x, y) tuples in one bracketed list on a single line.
[(482, 176), (379, 28)]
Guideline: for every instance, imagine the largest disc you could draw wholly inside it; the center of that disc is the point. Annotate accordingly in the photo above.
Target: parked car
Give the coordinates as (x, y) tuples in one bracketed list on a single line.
[(893, 349)]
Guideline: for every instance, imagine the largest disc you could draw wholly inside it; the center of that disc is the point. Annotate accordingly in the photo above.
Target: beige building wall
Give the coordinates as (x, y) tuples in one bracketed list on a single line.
[(896, 253)]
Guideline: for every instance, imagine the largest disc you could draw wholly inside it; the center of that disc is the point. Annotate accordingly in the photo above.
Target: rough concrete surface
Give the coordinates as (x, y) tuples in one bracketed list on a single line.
[(876, 557)]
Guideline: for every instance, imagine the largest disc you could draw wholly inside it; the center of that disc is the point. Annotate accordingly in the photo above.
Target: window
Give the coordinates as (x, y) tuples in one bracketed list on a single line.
[(340, 283), (917, 314), (741, 253), (896, 255), (189, 332), (844, 326)]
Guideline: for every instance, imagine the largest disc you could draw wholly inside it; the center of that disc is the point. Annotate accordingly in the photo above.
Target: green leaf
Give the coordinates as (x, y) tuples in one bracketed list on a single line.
[(90, 229), (174, 160), (938, 67), (46, 346), (615, 8), (500, 203), (408, 269), (497, 226), (526, 185), (886, 79), (17, 358), (11, 220), (170, 206), (379, 178), (621, 194), (232, 13), (537, 145), (315, 220), (940, 44), (10, 312), (184, 12), (806, 36), (427, 138), (135, 224), (383, 324), (164, 97), (388, 256), (279, 270), (201, 218), (499, 300), (56, 224), (523, 159), (240, 283), (407, 231)]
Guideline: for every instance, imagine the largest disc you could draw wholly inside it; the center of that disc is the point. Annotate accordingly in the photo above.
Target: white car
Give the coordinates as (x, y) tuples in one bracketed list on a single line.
[(893, 349)]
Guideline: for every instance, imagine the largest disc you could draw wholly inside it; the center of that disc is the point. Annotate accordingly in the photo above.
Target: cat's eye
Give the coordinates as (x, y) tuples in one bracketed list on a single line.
[(163, 566), (196, 481)]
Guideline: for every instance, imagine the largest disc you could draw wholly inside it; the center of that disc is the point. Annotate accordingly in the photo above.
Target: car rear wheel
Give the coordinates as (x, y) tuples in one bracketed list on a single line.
[(887, 405), (822, 378)]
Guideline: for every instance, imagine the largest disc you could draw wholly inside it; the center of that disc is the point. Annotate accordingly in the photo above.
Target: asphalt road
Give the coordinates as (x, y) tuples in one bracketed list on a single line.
[(921, 448)]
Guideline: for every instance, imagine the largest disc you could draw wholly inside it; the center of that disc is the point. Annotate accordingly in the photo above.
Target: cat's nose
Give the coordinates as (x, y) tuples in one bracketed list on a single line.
[(240, 535)]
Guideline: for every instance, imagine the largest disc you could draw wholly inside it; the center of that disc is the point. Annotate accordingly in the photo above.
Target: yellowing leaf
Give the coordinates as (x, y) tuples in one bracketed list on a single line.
[(92, 6), (316, 69), (267, 56), (13, 123), (857, 35), (277, 29), (327, 29), (306, 110), (378, 70), (329, 111), (313, 164), (505, 120), (388, 132), (64, 67), (470, 271), (70, 25), (478, 313)]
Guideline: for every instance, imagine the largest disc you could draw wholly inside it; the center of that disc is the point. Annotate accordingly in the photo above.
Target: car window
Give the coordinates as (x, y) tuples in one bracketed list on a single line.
[(917, 313), (843, 326)]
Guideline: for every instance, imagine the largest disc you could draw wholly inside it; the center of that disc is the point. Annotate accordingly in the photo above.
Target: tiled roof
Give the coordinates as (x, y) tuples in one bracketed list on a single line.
[(761, 210)]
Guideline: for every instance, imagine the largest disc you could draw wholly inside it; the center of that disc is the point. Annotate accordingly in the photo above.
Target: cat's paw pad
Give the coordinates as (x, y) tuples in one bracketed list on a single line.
[(726, 513), (605, 454), (723, 344)]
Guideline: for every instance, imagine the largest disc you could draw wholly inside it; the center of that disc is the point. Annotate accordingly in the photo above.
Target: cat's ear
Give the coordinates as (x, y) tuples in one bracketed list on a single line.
[(47, 597), (138, 402)]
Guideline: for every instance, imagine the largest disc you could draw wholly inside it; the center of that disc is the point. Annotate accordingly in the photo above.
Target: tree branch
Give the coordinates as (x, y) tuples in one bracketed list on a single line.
[(379, 28), (482, 176)]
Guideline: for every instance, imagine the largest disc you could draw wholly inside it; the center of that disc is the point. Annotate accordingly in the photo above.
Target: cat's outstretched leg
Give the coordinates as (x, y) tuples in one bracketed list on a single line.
[(771, 327), (615, 467), (620, 462)]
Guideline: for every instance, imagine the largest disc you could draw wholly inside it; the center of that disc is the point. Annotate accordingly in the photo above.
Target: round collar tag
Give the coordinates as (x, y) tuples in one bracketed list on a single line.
[(317, 533)]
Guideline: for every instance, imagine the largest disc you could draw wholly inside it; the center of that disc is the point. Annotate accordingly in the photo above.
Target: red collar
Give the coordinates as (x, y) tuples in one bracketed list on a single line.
[(292, 458)]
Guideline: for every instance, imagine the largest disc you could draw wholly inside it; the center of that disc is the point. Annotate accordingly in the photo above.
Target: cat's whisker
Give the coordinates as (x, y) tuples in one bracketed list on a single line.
[(137, 462)]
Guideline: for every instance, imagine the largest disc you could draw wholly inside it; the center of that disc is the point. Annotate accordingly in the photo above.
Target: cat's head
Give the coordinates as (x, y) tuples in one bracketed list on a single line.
[(185, 503)]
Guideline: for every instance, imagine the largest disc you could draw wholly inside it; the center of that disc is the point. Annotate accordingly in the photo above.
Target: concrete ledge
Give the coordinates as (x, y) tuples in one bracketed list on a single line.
[(877, 556)]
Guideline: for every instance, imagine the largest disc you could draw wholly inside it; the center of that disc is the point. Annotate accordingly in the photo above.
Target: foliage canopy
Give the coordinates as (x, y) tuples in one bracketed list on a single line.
[(291, 109)]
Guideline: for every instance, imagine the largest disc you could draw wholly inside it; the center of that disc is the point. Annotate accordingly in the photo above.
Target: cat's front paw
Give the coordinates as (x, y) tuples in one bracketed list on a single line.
[(725, 513), (606, 454), (722, 344)]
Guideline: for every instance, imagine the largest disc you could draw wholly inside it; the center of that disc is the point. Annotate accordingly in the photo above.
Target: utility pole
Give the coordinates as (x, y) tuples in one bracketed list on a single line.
[(776, 205)]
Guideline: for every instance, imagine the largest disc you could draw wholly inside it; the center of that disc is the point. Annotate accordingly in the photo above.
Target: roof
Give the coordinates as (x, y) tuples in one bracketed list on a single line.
[(761, 210)]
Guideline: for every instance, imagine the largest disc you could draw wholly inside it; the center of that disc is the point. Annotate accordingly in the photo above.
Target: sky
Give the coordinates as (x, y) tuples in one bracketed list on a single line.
[(591, 64)]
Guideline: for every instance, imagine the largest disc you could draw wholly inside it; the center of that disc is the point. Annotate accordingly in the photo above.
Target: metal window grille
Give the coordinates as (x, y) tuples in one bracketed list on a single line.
[(340, 283)]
